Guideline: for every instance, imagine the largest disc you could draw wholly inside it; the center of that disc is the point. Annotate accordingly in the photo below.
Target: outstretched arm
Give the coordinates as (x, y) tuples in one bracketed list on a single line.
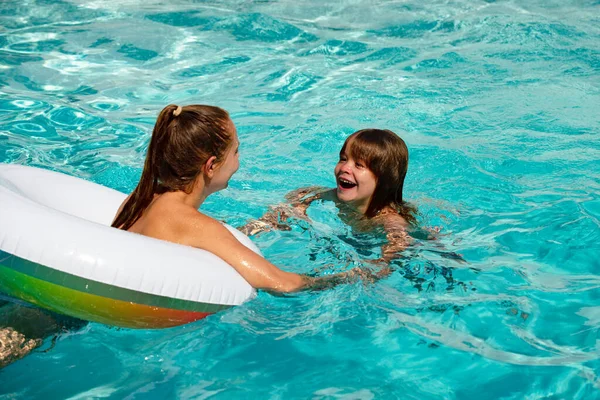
[(398, 239), (256, 270), (298, 202)]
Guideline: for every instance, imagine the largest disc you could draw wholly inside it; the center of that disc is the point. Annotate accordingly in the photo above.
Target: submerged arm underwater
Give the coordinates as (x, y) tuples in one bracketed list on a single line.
[(23, 329)]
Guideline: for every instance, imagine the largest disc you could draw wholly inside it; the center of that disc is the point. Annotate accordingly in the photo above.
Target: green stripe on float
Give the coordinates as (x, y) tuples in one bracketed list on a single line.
[(85, 285), (90, 307)]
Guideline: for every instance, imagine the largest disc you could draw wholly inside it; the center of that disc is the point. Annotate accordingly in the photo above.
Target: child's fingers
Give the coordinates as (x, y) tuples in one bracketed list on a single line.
[(255, 227), (297, 194)]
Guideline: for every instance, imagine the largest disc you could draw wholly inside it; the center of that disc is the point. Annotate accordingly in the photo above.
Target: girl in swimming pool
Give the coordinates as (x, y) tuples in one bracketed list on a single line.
[(370, 180), (193, 152)]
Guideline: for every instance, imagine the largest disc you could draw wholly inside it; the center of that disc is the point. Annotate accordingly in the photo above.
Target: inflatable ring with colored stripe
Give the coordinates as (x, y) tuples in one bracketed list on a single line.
[(58, 252)]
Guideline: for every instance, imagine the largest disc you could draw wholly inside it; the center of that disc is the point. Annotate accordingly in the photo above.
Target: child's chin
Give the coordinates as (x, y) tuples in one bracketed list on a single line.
[(344, 196)]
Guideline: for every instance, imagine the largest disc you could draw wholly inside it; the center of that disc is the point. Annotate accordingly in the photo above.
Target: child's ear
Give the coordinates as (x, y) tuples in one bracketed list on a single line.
[(210, 166)]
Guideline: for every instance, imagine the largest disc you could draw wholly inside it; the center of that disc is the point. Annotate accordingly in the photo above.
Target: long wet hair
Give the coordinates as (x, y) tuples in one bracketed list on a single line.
[(386, 155), (183, 139)]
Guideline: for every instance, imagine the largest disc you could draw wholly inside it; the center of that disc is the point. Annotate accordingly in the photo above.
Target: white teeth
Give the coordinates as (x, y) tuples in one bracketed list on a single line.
[(346, 181)]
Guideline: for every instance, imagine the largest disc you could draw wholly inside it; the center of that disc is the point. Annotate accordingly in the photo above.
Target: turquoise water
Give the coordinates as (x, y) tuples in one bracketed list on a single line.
[(498, 102)]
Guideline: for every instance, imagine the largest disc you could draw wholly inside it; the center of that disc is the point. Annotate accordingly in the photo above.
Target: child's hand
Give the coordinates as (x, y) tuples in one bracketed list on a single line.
[(283, 212), (296, 195), (255, 227), (274, 219), (382, 268)]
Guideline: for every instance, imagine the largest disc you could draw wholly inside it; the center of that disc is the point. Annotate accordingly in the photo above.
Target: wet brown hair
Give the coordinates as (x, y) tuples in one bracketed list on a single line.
[(183, 139), (386, 155)]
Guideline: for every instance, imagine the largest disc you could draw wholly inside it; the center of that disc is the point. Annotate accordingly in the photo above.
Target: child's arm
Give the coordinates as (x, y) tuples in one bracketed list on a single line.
[(298, 202), (398, 239)]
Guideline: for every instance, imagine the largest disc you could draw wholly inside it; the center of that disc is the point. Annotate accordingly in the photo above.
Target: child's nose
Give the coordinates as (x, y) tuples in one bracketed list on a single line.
[(346, 167)]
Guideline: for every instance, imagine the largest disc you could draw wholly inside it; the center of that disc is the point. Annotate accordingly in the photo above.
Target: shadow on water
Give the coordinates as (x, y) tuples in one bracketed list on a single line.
[(25, 328)]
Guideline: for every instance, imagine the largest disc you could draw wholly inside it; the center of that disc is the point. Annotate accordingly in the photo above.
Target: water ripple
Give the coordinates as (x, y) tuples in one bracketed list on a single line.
[(497, 102)]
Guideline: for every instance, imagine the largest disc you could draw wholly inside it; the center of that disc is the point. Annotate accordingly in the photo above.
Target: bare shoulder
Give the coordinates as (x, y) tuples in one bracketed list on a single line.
[(199, 230), (173, 221), (393, 222)]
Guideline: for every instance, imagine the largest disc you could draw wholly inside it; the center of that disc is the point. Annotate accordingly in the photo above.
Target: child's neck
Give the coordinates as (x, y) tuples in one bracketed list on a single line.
[(356, 207)]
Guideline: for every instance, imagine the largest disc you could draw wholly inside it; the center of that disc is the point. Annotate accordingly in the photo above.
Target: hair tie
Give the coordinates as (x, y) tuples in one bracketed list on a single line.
[(177, 111)]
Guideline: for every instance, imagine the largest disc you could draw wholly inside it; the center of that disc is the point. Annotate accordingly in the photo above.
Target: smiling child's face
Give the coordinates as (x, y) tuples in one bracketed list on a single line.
[(355, 182)]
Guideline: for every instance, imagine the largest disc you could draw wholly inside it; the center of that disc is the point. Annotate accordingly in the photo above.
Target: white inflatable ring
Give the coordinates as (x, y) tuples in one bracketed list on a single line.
[(58, 251)]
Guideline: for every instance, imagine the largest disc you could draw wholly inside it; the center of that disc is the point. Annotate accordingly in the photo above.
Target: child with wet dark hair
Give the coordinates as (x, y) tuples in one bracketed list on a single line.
[(370, 177)]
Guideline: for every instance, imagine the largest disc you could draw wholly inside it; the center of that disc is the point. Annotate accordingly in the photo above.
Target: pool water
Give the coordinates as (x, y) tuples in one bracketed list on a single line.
[(498, 102)]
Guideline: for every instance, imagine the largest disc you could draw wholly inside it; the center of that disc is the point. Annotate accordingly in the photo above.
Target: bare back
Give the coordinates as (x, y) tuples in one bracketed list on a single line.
[(170, 218), (166, 219)]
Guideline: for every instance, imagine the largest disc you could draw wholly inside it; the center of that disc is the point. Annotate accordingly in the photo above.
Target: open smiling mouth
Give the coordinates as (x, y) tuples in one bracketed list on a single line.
[(346, 184)]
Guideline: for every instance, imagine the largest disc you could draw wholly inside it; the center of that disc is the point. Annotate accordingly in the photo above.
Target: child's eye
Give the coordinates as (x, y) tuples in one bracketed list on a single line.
[(360, 165)]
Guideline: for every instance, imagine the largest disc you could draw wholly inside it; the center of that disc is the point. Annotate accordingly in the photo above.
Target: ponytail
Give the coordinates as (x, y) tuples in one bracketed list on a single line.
[(183, 138)]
